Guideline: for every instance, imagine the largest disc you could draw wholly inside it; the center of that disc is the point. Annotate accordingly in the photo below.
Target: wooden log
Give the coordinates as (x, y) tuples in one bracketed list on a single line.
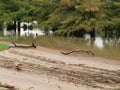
[(86, 51), (19, 46), (7, 86)]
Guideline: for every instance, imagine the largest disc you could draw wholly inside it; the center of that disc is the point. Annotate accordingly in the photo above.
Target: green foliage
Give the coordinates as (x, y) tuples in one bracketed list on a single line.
[(63, 16)]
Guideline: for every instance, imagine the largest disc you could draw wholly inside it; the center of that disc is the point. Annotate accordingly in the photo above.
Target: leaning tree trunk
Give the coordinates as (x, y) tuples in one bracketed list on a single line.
[(19, 28)]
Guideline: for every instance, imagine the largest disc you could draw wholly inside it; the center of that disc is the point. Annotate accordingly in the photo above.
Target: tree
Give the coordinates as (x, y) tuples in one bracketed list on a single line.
[(75, 15), (112, 22), (64, 17), (18, 11)]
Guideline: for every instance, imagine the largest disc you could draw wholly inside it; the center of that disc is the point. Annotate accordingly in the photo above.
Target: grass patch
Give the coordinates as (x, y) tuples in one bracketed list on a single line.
[(3, 46)]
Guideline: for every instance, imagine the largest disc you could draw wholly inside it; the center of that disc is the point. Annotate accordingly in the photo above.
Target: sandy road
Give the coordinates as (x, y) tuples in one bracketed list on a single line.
[(47, 69)]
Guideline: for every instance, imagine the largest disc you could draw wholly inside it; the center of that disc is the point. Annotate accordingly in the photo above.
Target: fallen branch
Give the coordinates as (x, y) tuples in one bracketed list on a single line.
[(88, 52), (7, 86), (16, 46)]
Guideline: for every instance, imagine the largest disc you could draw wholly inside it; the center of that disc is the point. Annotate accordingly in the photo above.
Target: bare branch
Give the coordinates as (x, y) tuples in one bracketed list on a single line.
[(87, 51), (19, 46)]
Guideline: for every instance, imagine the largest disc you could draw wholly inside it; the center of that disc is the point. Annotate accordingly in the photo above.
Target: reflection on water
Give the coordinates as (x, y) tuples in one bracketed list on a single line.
[(8, 33), (34, 32), (23, 32), (99, 42), (87, 36), (112, 42)]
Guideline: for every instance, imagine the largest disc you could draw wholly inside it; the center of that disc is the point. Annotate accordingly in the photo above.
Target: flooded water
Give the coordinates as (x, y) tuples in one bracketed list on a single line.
[(99, 42), (34, 32), (106, 46), (23, 32)]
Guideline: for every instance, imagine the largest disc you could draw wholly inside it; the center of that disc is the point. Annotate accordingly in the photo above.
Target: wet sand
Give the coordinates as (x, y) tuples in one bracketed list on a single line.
[(48, 69)]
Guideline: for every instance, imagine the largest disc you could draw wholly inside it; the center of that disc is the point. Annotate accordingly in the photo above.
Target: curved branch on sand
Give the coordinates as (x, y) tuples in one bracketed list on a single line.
[(18, 46), (87, 51)]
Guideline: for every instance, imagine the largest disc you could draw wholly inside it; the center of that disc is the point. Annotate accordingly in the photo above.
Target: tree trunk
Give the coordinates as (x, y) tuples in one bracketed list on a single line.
[(19, 28), (92, 33), (1, 29), (15, 27), (46, 31), (119, 33), (106, 33), (1, 25)]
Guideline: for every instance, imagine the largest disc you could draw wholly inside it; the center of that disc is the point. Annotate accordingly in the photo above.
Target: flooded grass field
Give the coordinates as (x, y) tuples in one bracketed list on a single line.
[(109, 48), (103, 47)]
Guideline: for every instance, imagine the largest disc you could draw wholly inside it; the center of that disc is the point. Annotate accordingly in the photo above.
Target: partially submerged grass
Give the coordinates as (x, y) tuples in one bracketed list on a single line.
[(68, 44), (117, 89), (8, 38), (3, 46), (60, 43)]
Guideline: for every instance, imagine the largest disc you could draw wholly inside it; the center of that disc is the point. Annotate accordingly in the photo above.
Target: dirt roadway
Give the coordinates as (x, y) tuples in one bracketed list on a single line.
[(47, 69)]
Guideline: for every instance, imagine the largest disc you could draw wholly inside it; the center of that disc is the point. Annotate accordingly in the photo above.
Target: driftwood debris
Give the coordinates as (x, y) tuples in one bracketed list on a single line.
[(88, 52), (17, 66), (7, 86), (19, 46)]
